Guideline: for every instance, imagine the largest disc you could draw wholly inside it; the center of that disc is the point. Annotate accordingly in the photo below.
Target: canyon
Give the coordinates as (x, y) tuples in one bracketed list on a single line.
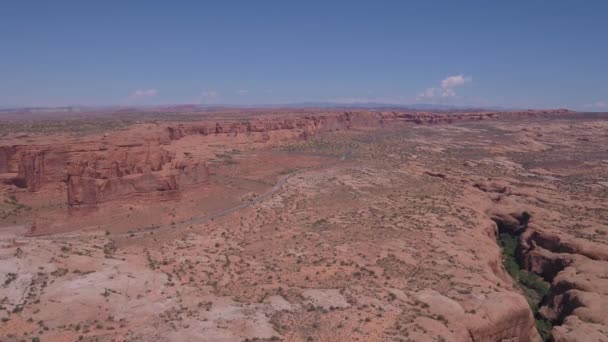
[(98, 171), (308, 225)]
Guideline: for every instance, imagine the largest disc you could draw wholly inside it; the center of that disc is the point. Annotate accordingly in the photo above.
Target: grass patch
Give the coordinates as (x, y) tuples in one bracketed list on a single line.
[(529, 282)]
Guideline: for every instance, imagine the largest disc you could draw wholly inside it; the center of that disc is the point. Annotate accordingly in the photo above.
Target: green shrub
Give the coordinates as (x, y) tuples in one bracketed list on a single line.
[(526, 279)]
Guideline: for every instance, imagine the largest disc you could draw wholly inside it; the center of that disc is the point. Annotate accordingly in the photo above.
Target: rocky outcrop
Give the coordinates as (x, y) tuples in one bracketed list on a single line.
[(92, 191), (98, 171), (190, 173), (6, 159), (578, 275), (101, 177), (31, 169), (118, 162), (311, 124), (308, 125), (32, 166), (507, 318)]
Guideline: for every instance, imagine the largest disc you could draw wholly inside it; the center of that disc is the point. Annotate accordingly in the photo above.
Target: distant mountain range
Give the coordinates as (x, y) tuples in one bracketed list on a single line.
[(380, 105)]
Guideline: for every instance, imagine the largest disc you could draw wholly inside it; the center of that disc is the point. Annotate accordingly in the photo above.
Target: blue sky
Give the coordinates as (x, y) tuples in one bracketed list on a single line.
[(485, 53)]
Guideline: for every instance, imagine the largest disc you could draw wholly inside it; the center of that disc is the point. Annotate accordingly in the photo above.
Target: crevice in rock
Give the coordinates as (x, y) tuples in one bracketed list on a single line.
[(514, 224), (511, 231), (560, 303), (17, 181), (537, 258), (543, 263)]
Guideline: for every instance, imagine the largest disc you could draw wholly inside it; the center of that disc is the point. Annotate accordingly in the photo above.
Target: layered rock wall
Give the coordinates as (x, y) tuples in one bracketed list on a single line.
[(99, 177), (95, 174), (98, 171), (7, 160), (310, 125)]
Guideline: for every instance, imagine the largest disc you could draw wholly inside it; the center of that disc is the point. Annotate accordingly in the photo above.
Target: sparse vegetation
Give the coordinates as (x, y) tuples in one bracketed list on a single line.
[(527, 280), (227, 157), (360, 221)]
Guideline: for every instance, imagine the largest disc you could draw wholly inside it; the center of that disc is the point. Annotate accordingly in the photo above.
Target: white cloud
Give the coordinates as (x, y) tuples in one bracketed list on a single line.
[(454, 81), (446, 88), (600, 104), (242, 91), (143, 93)]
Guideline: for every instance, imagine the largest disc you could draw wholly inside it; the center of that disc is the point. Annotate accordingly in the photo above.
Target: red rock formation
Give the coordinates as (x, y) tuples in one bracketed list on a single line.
[(31, 169), (6, 156), (96, 173), (576, 270), (119, 173), (508, 318), (336, 121)]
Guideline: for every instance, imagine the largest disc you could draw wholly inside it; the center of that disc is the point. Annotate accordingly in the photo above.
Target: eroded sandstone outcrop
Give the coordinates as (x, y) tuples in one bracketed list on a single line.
[(99, 170), (99, 177), (6, 157), (96, 174), (507, 317), (576, 270)]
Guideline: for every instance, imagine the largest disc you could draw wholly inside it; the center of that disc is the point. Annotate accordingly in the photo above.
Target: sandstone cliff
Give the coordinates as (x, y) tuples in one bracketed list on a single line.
[(97, 170), (98, 177)]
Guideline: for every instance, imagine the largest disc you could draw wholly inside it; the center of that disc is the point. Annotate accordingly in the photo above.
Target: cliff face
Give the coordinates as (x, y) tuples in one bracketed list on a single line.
[(99, 177), (96, 174), (99, 171), (6, 157), (34, 166), (306, 125), (575, 269), (87, 185), (310, 125)]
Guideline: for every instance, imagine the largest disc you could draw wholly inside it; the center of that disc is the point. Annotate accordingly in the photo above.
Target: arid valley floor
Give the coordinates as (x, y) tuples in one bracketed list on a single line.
[(319, 225)]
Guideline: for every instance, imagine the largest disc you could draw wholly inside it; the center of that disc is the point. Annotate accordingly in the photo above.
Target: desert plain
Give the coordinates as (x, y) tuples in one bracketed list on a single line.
[(304, 225)]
